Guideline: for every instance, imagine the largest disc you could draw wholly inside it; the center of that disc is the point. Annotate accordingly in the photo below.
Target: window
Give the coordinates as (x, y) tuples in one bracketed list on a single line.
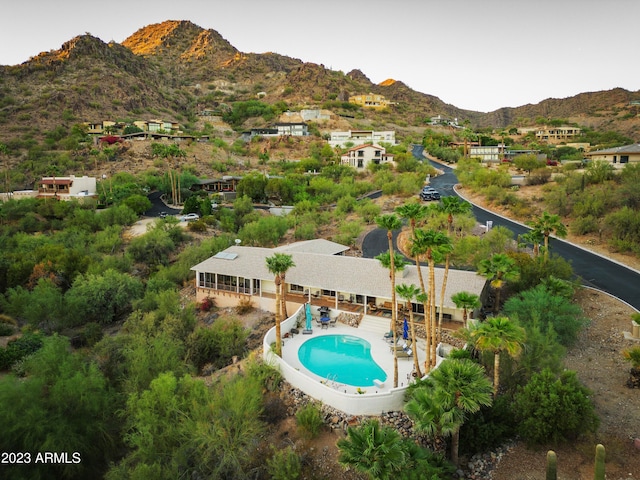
[(207, 280), (227, 282), (624, 158)]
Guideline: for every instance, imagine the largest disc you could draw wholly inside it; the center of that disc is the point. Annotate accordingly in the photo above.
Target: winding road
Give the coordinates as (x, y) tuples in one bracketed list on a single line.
[(593, 269)]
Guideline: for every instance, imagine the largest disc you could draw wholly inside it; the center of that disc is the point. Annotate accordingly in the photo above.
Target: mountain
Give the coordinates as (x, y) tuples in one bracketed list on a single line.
[(169, 69)]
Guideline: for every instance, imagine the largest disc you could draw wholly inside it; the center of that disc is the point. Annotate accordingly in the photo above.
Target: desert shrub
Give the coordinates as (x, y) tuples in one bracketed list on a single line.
[(494, 193), (216, 345), (584, 225), (539, 176), (6, 330), (244, 306), (197, 226), (309, 419), (538, 305), (488, 428), (269, 377), (554, 408), (19, 348), (284, 464)]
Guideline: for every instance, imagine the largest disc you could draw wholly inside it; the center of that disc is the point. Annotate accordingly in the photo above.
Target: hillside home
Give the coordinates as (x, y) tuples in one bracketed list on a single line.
[(322, 276), (295, 129), (499, 153), (617, 156), (370, 100), (552, 134), (67, 188), (361, 137), (360, 157), (225, 186)]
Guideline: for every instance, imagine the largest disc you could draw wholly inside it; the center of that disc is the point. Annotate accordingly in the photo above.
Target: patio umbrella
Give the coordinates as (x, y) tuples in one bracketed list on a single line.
[(308, 315), (405, 329)]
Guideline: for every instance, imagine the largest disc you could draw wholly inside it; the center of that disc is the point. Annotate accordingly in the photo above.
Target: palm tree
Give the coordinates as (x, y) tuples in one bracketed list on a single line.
[(391, 223), (466, 301), (278, 264), (430, 242), (408, 293), (533, 237), (548, 224), (377, 451), (393, 262), (454, 390), (559, 287), (499, 269), (453, 206), (497, 335)]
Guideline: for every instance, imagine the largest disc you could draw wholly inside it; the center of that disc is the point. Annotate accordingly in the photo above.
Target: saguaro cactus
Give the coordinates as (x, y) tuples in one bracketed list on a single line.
[(552, 466), (599, 470)]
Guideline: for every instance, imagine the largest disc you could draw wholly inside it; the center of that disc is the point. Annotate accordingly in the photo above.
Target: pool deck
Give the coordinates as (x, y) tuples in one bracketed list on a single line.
[(380, 352)]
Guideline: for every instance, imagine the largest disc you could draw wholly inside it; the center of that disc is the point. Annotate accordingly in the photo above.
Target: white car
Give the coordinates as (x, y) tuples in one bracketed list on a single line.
[(189, 217)]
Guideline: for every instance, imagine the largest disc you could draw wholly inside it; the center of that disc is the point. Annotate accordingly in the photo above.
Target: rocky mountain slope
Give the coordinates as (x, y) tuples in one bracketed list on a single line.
[(168, 69)]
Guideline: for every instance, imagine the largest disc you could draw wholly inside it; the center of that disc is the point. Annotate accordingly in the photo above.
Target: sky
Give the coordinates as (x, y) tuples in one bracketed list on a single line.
[(477, 55)]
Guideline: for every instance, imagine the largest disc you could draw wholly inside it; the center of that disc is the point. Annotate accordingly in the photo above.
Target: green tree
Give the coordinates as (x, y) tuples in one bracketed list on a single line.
[(408, 293), (499, 269), (393, 263), (538, 304), (452, 205), (466, 301), (431, 243), (102, 298), (498, 335), (278, 264), (138, 203), (372, 449), (64, 404), (527, 162), (253, 186), (440, 405), (391, 223), (554, 408), (548, 224)]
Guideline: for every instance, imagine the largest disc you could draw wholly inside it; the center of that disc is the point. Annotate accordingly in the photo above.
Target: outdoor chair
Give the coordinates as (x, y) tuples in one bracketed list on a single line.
[(404, 353)]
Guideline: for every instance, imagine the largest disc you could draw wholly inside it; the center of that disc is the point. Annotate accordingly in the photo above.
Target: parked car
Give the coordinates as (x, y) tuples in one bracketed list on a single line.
[(429, 193), (552, 163), (190, 217), (163, 214)]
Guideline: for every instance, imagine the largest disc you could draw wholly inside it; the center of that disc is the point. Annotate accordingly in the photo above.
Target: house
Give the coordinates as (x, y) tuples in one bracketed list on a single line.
[(617, 156), (552, 134), (67, 188), (322, 275), (294, 129), (360, 157), (225, 186), (361, 137), (498, 153), (557, 134), (370, 100)]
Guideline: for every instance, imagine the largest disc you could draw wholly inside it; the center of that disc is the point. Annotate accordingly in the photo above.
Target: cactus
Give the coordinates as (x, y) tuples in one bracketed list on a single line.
[(599, 470), (552, 466)]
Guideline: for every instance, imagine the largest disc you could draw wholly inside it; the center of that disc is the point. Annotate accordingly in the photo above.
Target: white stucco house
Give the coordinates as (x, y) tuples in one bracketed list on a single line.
[(360, 157), (322, 275)]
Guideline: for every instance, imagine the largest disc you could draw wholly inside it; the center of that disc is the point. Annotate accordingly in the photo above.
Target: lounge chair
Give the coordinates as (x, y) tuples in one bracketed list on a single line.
[(400, 348), (408, 353)]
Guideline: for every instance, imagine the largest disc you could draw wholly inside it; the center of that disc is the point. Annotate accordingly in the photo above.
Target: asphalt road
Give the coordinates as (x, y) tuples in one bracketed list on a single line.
[(158, 206), (592, 269)]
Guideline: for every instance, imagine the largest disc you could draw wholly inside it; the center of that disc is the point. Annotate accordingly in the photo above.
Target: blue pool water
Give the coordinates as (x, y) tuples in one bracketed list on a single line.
[(342, 359)]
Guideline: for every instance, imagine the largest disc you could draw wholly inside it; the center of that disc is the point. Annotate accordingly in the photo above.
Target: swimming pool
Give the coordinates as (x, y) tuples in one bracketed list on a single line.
[(341, 358)]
